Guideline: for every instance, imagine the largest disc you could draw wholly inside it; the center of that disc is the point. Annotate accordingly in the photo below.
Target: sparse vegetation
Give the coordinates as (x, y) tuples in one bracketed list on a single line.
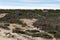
[(48, 21)]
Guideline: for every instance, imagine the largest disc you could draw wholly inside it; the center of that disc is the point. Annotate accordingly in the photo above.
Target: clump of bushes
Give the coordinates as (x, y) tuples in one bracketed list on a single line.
[(5, 26), (17, 30), (24, 24), (32, 31), (42, 35), (57, 35)]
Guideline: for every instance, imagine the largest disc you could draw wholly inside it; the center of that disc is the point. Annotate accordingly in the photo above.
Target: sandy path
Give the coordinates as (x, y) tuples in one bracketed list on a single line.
[(2, 15)]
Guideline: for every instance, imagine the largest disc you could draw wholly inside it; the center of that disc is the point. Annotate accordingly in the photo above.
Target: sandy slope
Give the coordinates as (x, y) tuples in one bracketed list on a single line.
[(29, 22)]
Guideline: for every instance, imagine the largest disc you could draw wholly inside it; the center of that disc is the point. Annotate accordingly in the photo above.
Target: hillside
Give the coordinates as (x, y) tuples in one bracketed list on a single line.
[(29, 24)]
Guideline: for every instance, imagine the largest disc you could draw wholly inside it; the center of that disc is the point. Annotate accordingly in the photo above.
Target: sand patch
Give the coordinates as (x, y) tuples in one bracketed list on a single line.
[(2, 15), (29, 22)]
